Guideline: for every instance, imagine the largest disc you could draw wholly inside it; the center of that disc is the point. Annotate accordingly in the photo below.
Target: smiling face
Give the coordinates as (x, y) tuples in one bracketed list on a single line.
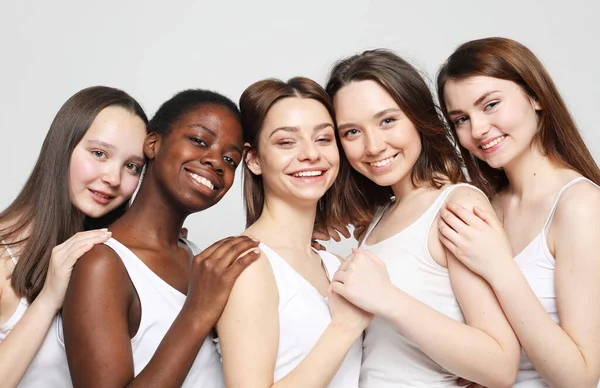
[(105, 165), (197, 159), (495, 119), (379, 140), (297, 157)]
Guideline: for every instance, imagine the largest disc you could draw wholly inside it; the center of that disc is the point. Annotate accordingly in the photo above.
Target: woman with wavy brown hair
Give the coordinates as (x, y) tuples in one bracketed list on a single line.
[(434, 318), (282, 326), (539, 249)]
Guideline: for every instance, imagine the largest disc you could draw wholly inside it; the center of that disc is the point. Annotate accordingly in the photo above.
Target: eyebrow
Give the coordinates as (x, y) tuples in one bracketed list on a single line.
[(213, 134), (477, 102), (375, 116), (317, 127), (101, 143)]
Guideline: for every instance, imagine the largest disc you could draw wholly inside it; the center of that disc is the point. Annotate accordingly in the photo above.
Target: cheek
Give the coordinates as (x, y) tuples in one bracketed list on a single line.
[(354, 150), (128, 184), (82, 170)]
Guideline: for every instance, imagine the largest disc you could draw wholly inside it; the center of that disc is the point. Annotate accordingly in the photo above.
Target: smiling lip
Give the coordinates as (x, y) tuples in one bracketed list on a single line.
[(382, 163), (309, 175), (101, 197), (202, 184), (492, 144)]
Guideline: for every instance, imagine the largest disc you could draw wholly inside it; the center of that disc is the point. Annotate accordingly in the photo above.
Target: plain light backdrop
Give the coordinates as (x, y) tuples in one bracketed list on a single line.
[(50, 50)]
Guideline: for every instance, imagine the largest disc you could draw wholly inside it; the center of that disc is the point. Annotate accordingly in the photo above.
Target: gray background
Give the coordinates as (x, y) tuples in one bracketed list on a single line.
[(50, 50)]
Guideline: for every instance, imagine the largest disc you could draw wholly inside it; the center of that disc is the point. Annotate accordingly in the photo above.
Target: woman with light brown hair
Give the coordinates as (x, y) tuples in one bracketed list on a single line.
[(539, 250), (282, 326), (434, 318)]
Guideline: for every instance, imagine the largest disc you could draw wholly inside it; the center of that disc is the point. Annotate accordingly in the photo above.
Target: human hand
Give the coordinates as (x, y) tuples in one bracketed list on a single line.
[(364, 281), (346, 315), (476, 238), (214, 272), (334, 231), (62, 260)]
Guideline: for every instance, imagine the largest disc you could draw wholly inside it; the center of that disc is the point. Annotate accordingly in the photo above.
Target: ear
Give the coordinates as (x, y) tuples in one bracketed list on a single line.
[(251, 159), (535, 103), (151, 145)]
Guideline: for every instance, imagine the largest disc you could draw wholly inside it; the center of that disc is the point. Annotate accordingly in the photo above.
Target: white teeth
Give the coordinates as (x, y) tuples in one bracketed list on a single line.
[(382, 163), (308, 173), (203, 181), (101, 195), (498, 140)]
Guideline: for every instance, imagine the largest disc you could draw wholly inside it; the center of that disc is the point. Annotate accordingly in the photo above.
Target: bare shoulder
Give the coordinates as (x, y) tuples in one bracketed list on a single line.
[(100, 260), (256, 281), (469, 196), (579, 206)]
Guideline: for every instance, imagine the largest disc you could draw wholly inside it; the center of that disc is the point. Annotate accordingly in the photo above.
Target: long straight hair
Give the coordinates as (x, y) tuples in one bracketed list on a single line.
[(438, 161), (43, 209), (255, 103), (509, 60)]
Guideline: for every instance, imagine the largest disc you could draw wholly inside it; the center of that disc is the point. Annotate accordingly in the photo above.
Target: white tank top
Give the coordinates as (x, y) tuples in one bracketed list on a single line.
[(303, 317), (537, 264), (389, 358), (160, 304), (49, 368)]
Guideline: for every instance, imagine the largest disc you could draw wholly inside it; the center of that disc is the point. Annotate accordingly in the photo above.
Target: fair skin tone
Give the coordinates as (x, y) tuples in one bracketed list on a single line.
[(102, 162), (383, 144), (565, 354), (296, 139)]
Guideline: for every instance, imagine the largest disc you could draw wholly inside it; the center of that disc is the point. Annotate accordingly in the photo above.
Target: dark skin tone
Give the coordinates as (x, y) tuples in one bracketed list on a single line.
[(102, 310)]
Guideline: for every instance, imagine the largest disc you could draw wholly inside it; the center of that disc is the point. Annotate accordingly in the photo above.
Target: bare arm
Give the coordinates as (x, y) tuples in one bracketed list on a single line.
[(485, 350), (249, 335), (567, 355), (20, 346), (96, 317)]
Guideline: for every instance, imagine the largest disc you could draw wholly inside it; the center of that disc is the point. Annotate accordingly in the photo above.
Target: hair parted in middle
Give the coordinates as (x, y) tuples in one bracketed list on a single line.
[(255, 103), (439, 160)]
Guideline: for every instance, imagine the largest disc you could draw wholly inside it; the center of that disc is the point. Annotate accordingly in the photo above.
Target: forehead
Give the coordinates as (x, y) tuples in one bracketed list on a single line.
[(220, 119), (116, 125), (296, 112), (470, 89), (361, 100)]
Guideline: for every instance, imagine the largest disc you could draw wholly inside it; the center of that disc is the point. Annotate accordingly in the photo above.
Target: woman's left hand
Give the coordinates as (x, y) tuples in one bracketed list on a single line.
[(476, 238)]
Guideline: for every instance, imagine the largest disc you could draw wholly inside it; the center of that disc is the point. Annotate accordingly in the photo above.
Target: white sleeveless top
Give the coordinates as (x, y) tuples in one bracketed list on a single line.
[(160, 305), (303, 317), (389, 358), (49, 368), (537, 264)]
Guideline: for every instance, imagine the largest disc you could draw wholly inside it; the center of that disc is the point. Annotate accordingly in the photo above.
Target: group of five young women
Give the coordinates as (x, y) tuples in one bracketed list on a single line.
[(446, 286)]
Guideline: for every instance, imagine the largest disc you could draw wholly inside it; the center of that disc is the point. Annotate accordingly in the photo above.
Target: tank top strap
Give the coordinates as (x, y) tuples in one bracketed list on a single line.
[(10, 252), (558, 196), (331, 263), (380, 212), (435, 208)]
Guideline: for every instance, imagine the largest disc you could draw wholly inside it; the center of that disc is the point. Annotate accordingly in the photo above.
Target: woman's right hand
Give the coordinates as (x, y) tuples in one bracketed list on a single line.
[(346, 315), (214, 272), (62, 260)]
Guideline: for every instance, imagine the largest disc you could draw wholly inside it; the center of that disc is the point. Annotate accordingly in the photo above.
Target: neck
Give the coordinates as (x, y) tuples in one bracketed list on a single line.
[(152, 217), (404, 187), (530, 173), (287, 223)]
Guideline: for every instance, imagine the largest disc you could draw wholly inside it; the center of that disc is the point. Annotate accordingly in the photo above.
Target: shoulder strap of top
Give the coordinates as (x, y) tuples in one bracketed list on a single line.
[(441, 199), (331, 263), (375, 221), (10, 252), (558, 196)]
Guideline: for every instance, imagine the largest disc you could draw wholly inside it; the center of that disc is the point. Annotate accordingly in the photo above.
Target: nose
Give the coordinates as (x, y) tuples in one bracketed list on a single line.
[(308, 151), (213, 159), (479, 127), (374, 142), (112, 174)]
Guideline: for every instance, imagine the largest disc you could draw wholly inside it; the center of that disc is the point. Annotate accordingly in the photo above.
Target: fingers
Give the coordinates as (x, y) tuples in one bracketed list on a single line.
[(231, 250), (332, 232), (454, 222), (449, 245), (320, 235), (488, 218), (79, 248), (359, 231), (339, 228), (316, 245), (462, 213), (236, 269), (77, 240), (338, 288), (340, 276), (447, 232)]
